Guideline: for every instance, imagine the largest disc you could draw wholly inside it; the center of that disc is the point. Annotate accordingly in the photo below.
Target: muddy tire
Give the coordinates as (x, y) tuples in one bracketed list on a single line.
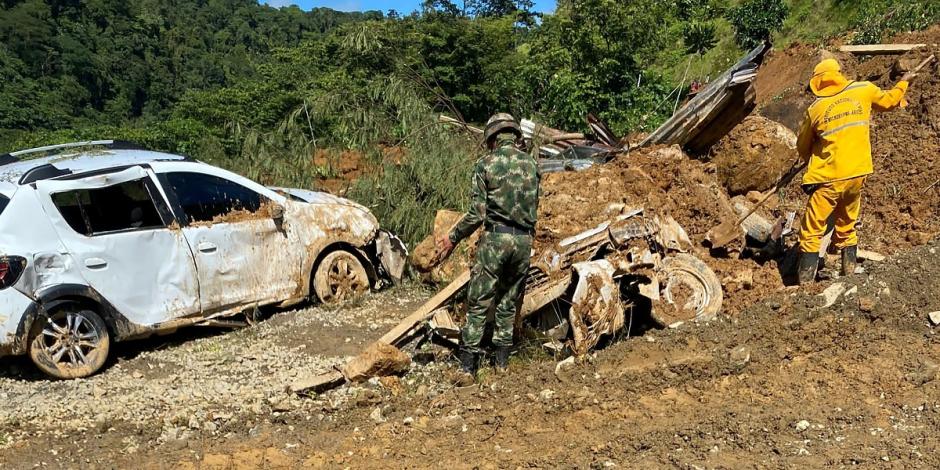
[(340, 276), (70, 343), (689, 290)]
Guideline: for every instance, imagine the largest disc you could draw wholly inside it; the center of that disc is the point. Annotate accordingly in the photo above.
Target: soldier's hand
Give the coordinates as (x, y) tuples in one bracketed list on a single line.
[(444, 246)]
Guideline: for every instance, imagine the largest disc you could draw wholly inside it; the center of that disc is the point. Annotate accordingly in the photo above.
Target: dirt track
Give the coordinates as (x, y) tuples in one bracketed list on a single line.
[(785, 384)]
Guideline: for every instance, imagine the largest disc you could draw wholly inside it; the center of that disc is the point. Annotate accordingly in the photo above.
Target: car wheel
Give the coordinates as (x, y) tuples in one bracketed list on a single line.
[(340, 276), (690, 290), (72, 342)]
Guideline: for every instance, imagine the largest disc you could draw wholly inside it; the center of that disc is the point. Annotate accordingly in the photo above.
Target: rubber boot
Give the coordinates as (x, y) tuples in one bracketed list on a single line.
[(467, 374), (469, 361), (849, 260), (806, 271), (501, 358)]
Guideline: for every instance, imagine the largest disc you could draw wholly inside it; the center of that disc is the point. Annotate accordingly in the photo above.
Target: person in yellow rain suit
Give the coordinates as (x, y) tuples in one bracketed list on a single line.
[(834, 141)]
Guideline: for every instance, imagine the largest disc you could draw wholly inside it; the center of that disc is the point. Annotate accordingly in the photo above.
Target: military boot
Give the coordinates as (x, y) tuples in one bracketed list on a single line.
[(849, 260), (807, 268), (469, 363), (501, 358)]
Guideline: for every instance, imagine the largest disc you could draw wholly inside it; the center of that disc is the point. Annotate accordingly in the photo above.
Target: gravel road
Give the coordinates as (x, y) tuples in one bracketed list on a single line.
[(197, 382)]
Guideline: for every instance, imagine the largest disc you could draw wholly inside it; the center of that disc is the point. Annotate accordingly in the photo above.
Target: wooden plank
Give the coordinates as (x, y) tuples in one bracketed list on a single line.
[(443, 323), (319, 383), (880, 49), (425, 311)]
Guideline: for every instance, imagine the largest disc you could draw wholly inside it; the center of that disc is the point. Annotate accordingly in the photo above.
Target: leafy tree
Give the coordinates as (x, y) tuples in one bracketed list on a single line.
[(699, 37), (755, 20), (877, 19)]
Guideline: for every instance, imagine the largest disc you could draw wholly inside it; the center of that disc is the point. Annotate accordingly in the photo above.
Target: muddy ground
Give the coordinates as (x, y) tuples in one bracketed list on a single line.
[(786, 384), (195, 386)]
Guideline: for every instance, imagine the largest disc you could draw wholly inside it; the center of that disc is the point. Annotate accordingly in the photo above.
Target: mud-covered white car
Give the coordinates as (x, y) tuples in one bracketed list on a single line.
[(103, 241)]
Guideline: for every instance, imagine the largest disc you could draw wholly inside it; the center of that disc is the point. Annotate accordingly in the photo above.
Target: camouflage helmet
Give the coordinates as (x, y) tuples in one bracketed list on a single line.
[(499, 123)]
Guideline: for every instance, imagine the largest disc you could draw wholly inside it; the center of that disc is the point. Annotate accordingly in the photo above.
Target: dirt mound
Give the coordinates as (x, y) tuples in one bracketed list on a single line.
[(754, 155), (783, 81), (660, 180)]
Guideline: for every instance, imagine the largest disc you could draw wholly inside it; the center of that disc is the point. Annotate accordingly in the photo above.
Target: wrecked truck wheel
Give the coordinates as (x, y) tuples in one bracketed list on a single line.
[(340, 276), (689, 290), (72, 342)]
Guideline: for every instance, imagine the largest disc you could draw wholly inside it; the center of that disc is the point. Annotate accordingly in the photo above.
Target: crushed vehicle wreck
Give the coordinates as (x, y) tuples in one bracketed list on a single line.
[(585, 283), (610, 267), (104, 241)]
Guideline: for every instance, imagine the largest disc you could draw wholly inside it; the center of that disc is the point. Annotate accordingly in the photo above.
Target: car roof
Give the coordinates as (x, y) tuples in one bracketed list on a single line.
[(80, 160)]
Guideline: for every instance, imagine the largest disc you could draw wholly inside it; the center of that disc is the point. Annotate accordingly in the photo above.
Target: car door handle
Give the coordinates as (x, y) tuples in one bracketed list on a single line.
[(96, 263), (208, 248)]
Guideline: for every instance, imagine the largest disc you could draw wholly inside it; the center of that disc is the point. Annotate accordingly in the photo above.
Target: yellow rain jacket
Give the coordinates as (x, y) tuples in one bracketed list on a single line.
[(834, 137), (834, 140)]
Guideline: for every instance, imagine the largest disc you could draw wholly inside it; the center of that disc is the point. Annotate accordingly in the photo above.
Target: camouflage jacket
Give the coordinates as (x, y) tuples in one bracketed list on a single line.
[(505, 192)]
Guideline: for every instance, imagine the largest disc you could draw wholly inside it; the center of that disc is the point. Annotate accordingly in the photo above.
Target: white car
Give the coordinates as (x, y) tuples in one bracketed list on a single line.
[(103, 241)]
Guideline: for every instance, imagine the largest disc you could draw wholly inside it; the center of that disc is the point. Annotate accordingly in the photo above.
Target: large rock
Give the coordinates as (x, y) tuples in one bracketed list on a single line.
[(754, 156), (378, 360), (425, 257)]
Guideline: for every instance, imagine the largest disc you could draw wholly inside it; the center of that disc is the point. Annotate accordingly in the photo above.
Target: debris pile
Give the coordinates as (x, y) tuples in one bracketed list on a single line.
[(658, 185)]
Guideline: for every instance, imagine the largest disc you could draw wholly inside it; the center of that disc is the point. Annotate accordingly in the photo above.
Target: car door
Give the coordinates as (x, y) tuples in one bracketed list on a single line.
[(244, 254), (117, 228)]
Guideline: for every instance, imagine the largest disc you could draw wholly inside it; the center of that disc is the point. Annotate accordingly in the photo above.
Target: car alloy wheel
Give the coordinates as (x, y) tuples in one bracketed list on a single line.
[(339, 277), (71, 342)]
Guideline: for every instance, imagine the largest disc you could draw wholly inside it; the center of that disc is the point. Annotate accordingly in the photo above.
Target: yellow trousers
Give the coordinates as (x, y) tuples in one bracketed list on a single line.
[(840, 198)]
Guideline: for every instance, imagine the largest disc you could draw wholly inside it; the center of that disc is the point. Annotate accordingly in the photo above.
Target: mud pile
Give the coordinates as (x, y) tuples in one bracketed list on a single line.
[(901, 200), (754, 155)]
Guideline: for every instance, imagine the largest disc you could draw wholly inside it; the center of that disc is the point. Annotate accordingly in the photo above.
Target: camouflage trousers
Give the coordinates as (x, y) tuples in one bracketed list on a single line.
[(498, 276)]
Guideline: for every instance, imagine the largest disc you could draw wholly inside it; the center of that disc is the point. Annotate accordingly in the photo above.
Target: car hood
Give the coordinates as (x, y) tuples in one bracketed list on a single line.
[(317, 197)]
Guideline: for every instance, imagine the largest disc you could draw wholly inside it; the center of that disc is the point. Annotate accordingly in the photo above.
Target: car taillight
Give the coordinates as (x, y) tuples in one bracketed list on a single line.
[(11, 268)]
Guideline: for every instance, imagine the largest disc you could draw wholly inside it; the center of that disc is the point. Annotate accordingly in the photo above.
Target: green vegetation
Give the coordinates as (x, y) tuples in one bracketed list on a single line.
[(862, 21), (261, 90), (877, 19), (755, 21)]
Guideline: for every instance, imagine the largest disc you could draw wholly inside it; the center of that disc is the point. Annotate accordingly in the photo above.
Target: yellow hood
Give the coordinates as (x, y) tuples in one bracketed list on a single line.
[(827, 79)]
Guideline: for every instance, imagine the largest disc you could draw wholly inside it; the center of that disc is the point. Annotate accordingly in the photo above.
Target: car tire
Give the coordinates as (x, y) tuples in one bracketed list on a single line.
[(689, 290), (70, 342), (340, 276)]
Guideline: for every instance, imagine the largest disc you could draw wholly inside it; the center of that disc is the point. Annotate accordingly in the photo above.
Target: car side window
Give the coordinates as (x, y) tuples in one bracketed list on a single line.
[(208, 198), (122, 207)]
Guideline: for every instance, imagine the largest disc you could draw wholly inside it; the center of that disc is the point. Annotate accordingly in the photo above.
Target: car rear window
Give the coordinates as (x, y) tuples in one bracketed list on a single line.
[(125, 206)]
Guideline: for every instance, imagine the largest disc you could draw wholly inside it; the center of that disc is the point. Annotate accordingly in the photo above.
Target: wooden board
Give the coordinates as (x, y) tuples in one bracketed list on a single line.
[(443, 323), (334, 378), (425, 311), (319, 383), (880, 49)]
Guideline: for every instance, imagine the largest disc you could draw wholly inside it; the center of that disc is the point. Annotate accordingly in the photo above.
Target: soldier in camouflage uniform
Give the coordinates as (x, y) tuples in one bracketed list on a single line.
[(504, 200)]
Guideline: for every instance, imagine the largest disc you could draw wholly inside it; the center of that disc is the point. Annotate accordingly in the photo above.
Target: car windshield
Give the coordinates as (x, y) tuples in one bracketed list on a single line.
[(3, 203)]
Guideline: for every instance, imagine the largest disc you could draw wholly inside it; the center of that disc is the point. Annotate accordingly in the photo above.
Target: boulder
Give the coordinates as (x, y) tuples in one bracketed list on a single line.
[(378, 360)]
